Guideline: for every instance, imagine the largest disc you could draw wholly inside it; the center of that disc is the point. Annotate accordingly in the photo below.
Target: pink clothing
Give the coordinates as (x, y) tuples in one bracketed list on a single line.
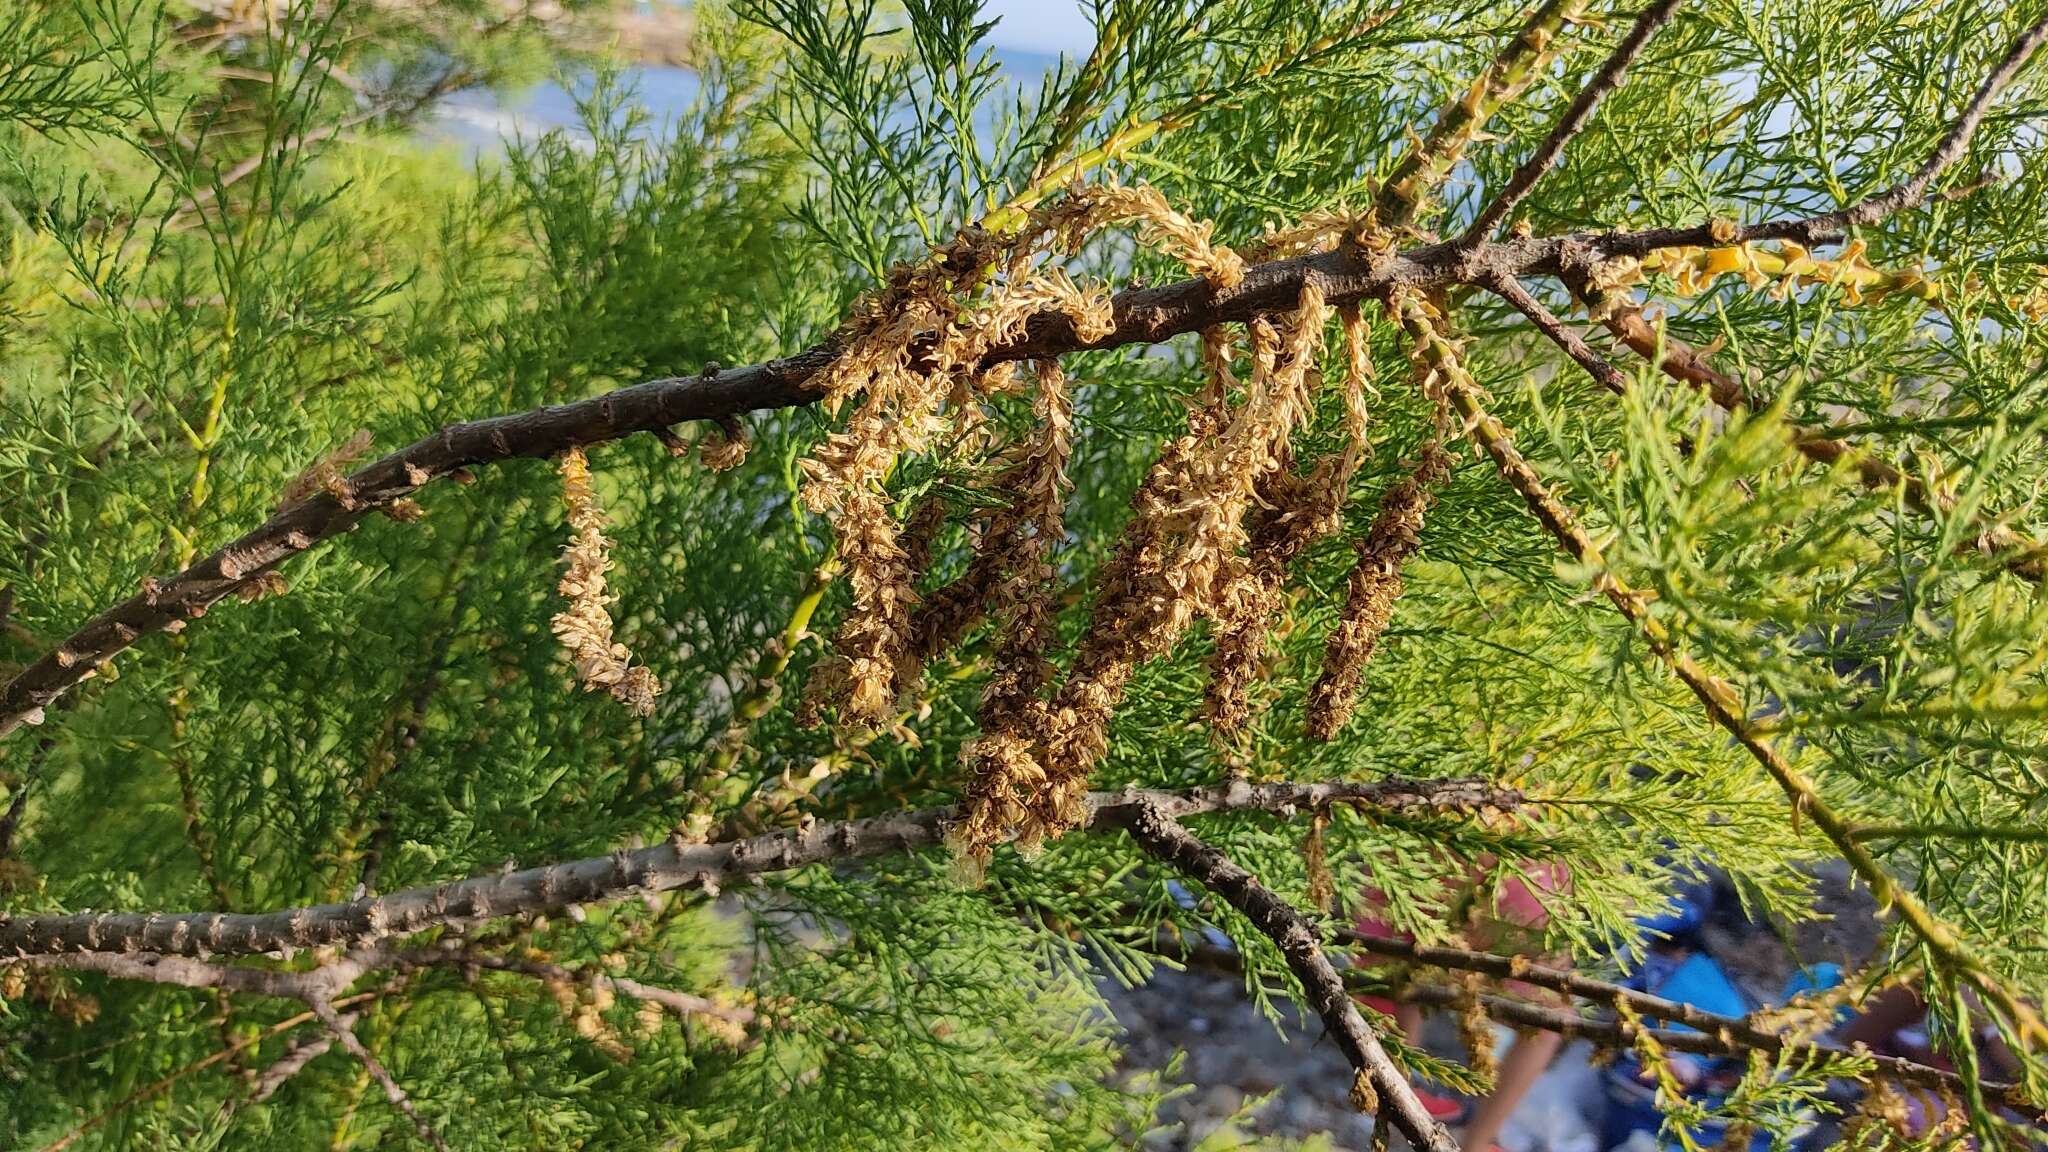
[(1518, 911)]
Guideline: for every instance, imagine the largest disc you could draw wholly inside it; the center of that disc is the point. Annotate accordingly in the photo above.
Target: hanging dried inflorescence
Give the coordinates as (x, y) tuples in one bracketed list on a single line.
[(1091, 207), (1376, 583), (1018, 544), (1216, 524), (1294, 512), (585, 626), (913, 355), (907, 352), (1171, 566)]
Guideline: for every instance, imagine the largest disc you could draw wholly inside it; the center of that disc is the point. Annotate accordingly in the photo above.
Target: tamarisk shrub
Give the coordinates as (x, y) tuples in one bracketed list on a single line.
[(1276, 455)]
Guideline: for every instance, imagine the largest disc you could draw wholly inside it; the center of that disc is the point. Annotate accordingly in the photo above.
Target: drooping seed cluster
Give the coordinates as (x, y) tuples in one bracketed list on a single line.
[(913, 357), (584, 628), (1175, 563), (1220, 519), (1294, 511), (1373, 589)]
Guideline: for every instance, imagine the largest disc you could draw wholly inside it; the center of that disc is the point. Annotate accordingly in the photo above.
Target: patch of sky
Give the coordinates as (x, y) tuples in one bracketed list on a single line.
[(1028, 39)]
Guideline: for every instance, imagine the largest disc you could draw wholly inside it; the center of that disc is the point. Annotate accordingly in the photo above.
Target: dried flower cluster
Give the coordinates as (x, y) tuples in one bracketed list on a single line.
[(1089, 208), (585, 626), (1017, 553), (1178, 560), (1222, 516), (1787, 266), (328, 473), (913, 355), (1374, 587), (1294, 511)]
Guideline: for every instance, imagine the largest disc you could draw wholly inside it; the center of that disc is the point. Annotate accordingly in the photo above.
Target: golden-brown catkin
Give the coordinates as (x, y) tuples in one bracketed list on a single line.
[(1315, 858), (1374, 587), (1089, 207), (1003, 764), (1475, 1030), (1177, 559), (872, 639), (904, 389), (1295, 512), (584, 628)]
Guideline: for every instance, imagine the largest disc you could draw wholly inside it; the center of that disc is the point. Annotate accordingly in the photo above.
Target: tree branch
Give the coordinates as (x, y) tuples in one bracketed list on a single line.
[(1732, 1037), (2021, 556), (1709, 1034), (659, 868), (1719, 698), (392, 1090), (1159, 834), (1574, 120), (1422, 169), (1142, 316), (1573, 344), (1829, 227), (1713, 1033), (681, 1003)]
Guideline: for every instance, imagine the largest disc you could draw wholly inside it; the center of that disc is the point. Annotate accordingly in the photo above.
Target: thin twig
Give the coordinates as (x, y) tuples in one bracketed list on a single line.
[(1712, 1033), (681, 1003), (1573, 344), (393, 1092), (1722, 702), (1832, 226), (200, 1065), (301, 1052), (1162, 836), (1574, 120), (1422, 169), (1705, 1033), (2019, 555)]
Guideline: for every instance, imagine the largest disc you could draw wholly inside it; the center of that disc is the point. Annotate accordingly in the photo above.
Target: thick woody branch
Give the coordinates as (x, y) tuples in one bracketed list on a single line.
[(1606, 80), (659, 868), (1165, 838), (330, 979), (1142, 316)]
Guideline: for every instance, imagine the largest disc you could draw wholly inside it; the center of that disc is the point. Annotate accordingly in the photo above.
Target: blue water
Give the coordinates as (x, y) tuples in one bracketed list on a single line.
[(480, 121)]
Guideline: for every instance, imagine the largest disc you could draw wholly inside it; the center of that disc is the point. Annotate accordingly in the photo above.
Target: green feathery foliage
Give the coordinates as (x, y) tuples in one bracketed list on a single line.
[(231, 273)]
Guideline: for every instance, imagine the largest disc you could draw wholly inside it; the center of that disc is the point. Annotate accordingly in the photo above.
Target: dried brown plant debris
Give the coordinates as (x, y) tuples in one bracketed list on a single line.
[(1172, 564), (584, 628), (1004, 769), (724, 450), (907, 355), (1373, 589), (912, 355), (329, 473), (1295, 511), (1090, 207)]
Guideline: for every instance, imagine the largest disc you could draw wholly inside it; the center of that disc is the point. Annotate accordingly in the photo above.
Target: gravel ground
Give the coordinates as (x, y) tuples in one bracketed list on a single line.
[(1246, 1078)]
